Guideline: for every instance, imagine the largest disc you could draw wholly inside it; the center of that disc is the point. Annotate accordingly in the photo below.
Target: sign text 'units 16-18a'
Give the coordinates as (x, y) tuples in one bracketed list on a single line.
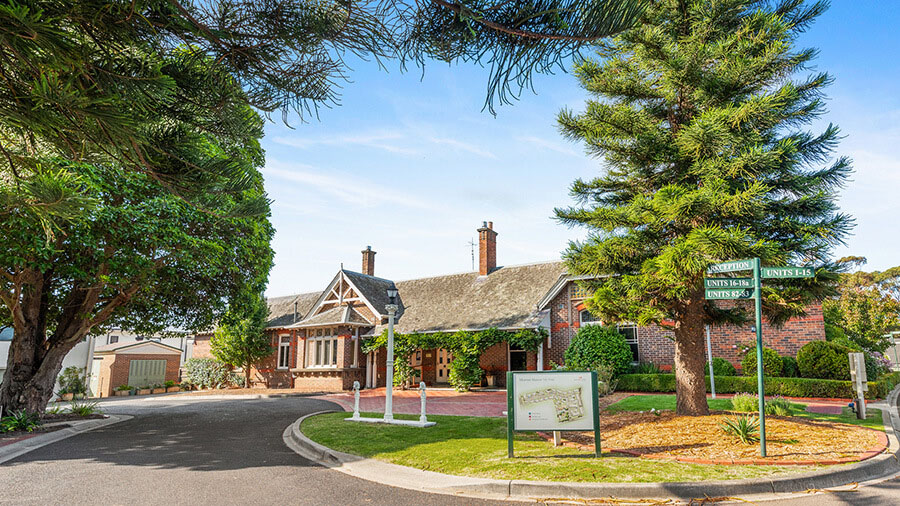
[(728, 282)]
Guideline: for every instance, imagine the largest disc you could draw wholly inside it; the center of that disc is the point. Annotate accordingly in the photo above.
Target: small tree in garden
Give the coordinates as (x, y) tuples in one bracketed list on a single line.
[(698, 114), (240, 339), (866, 309)]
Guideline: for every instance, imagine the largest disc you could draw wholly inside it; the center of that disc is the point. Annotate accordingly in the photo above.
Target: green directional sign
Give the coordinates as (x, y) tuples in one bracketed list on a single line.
[(728, 282), (729, 293), (787, 272), (735, 265)]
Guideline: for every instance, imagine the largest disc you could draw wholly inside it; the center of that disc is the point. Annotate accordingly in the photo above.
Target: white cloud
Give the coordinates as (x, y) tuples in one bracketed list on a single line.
[(352, 190), (463, 146), (390, 141), (549, 145)]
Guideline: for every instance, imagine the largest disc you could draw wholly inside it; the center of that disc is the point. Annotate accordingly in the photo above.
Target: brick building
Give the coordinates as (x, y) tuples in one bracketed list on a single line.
[(317, 335)]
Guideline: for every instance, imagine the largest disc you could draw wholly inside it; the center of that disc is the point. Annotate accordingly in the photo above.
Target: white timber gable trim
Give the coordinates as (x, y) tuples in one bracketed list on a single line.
[(341, 290)]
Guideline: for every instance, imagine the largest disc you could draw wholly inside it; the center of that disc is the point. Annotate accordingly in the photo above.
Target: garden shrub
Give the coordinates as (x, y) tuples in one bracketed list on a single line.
[(206, 373), (721, 367), (744, 427), (789, 368), (745, 402), (71, 381), (594, 345), (778, 405), (771, 363), (644, 368), (824, 360)]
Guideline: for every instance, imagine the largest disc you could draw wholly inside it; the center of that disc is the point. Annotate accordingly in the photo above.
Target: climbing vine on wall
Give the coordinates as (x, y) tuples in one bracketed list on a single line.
[(466, 347)]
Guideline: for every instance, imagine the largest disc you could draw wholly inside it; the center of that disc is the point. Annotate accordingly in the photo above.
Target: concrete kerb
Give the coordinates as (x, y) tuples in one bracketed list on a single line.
[(13, 450), (886, 464)]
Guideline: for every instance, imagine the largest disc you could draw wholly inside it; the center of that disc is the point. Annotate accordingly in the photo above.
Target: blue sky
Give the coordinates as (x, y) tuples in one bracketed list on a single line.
[(413, 166)]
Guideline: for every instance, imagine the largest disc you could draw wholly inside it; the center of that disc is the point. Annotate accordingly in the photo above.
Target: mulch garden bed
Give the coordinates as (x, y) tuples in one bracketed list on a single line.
[(68, 417), (789, 440)]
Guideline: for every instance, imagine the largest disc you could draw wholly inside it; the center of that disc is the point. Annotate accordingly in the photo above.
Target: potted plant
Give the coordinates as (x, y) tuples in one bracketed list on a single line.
[(171, 386), (144, 390), (65, 395), (158, 389), (491, 374), (186, 386), (124, 390), (72, 383)]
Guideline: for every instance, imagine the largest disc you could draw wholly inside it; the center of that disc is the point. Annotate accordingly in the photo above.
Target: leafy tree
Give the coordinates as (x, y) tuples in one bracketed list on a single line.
[(698, 119), (866, 308), (140, 258), (240, 339), (88, 81)]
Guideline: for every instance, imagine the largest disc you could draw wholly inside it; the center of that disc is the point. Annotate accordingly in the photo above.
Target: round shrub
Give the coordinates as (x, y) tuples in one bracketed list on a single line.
[(771, 362), (721, 367), (824, 360), (789, 368), (594, 345)]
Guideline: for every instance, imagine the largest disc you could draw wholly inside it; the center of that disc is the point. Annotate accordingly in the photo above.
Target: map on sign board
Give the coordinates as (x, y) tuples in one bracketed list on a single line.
[(568, 403), (553, 400)]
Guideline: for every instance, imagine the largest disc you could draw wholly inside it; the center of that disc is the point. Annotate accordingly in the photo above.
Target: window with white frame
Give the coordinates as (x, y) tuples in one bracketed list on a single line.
[(588, 318), (322, 350), (284, 352), (631, 337)]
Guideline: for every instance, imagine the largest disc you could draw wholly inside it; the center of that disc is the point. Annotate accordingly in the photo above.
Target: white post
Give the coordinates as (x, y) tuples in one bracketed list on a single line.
[(712, 377), (356, 400), (389, 392), (557, 438), (422, 417)]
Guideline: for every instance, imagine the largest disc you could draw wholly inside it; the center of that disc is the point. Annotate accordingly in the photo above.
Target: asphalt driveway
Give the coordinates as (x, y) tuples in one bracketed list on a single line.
[(177, 450), (181, 451)]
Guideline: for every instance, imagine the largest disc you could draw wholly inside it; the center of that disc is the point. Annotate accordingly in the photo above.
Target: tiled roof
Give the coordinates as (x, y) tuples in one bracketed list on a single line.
[(281, 309), (506, 298), (340, 315), (372, 288)]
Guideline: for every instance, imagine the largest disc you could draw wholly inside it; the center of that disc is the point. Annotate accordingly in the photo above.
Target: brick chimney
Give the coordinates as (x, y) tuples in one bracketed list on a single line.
[(487, 248), (368, 261)]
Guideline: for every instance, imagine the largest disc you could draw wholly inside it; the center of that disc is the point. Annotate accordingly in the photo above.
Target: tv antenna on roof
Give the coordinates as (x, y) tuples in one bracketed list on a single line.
[(471, 244)]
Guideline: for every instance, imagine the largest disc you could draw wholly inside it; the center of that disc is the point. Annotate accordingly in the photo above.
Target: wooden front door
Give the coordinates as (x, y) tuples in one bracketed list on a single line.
[(442, 367)]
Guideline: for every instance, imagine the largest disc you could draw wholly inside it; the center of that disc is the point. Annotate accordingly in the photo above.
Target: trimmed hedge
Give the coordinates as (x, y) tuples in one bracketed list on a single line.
[(788, 387), (825, 360), (594, 345), (721, 367)]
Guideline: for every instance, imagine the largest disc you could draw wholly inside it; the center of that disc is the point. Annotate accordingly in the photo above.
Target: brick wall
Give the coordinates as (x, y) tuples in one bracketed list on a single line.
[(117, 370), (201, 347)]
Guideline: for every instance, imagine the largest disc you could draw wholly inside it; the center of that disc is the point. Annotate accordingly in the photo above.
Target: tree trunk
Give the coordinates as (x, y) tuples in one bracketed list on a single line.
[(32, 368), (690, 358), (247, 376)]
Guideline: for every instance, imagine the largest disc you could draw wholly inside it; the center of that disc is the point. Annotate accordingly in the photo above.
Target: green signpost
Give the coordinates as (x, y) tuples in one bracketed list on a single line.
[(745, 288)]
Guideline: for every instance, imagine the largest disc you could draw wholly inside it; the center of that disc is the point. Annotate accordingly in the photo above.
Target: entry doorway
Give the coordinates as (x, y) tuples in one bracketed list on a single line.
[(442, 367), (518, 359)]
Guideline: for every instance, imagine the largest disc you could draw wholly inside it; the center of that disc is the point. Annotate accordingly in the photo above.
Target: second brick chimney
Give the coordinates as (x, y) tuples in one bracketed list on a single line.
[(368, 261), (487, 248)]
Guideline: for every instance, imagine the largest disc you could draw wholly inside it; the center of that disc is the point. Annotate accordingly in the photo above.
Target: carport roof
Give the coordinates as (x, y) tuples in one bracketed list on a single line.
[(116, 347)]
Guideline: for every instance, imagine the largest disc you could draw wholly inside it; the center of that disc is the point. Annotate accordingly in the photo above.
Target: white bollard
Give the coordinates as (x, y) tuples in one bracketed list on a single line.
[(422, 417), (355, 400)]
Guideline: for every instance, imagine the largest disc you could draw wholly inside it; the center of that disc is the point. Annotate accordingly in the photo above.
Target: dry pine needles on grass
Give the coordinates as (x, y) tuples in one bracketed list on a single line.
[(670, 435)]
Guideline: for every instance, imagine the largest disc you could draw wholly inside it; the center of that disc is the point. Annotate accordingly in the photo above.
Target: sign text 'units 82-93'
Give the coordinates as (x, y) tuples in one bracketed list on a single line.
[(729, 293)]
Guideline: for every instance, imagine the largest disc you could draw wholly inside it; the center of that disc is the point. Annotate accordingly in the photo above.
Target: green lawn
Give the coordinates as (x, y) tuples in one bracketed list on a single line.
[(476, 446), (645, 402)]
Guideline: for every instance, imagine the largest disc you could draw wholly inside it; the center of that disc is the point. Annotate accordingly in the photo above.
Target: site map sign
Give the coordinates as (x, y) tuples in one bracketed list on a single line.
[(552, 401)]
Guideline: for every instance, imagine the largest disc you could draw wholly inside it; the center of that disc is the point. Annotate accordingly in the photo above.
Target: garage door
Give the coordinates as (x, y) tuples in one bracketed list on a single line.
[(146, 372)]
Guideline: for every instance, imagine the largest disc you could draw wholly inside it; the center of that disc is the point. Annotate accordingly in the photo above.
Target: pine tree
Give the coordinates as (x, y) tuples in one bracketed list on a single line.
[(698, 117)]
